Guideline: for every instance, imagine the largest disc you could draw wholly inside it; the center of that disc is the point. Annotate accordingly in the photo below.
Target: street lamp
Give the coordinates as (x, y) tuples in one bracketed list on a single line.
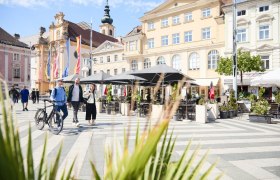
[(234, 54)]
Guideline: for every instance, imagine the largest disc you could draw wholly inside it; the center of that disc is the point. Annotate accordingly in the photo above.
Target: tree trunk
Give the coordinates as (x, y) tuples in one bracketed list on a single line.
[(241, 80)]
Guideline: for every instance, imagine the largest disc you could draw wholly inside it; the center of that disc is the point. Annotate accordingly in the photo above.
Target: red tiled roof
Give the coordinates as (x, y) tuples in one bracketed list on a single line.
[(6, 38), (75, 30)]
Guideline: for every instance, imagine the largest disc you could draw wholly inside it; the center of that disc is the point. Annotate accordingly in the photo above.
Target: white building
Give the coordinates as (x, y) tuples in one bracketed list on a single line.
[(258, 31)]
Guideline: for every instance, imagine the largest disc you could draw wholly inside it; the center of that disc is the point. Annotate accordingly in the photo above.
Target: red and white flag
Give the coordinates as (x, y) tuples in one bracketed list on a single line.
[(78, 64)]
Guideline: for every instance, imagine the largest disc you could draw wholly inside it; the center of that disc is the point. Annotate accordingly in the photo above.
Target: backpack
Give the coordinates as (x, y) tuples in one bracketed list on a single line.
[(55, 91)]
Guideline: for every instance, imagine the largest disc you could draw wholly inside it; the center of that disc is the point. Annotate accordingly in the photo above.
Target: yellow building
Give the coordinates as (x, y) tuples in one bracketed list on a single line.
[(186, 35)]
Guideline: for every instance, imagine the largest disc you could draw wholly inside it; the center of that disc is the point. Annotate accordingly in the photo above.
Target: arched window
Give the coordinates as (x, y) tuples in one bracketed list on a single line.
[(213, 57), (160, 60), (134, 65), (111, 32), (194, 61), (147, 63), (176, 62)]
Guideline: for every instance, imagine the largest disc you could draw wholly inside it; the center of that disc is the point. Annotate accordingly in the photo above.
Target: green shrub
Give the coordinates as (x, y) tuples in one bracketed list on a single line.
[(261, 107)]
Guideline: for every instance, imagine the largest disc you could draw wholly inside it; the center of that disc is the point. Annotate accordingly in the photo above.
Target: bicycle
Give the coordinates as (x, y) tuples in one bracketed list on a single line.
[(54, 120)]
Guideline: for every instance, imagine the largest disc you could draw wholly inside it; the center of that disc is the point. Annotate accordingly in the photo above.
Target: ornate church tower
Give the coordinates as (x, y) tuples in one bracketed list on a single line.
[(107, 28)]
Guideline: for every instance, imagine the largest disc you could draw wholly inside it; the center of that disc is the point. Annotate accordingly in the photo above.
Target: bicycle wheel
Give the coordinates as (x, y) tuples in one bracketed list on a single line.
[(40, 117), (56, 123)]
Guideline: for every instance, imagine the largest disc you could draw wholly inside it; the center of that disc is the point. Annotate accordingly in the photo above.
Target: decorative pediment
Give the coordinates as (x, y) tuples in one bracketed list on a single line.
[(167, 6), (244, 49), (265, 47), (264, 18), (242, 22), (108, 46)]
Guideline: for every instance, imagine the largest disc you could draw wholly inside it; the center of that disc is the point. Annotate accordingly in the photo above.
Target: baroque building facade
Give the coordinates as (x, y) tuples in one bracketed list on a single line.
[(15, 60), (258, 23)]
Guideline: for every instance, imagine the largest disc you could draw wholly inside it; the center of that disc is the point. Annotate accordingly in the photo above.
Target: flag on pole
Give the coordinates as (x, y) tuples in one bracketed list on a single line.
[(48, 69), (106, 91), (124, 91), (56, 65), (66, 70), (212, 91), (78, 65)]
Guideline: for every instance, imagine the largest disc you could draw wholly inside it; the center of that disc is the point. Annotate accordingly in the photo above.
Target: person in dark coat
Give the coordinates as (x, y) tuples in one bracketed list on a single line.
[(33, 95), (37, 92), (75, 97)]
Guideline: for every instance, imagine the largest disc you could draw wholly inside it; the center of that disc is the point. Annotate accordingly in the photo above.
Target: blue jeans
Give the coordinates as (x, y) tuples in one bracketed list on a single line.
[(63, 108)]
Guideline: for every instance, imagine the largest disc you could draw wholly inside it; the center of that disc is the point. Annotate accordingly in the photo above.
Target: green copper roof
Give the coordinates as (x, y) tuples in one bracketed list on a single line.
[(106, 18)]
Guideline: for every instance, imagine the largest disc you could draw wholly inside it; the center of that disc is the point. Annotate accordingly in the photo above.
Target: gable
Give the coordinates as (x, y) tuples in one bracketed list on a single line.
[(169, 5), (108, 46)]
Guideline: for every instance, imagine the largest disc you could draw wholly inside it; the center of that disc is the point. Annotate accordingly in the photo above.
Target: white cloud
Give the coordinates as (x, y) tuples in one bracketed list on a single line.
[(130, 5)]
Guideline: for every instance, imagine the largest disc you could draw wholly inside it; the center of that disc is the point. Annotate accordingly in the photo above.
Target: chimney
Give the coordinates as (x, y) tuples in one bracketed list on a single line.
[(17, 36)]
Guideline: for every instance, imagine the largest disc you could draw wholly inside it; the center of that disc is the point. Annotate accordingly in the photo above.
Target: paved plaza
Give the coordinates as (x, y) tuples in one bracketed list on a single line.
[(244, 150)]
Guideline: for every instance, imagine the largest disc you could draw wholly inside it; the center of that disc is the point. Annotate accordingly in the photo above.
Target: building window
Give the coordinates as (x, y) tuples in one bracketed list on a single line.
[(188, 36), (263, 8), (101, 59), (123, 70), (160, 60), (194, 61), (16, 57), (108, 71), (108, 58), (134, 65), (265, 61), (164, 22), (132, 45), (151, 43), (206, 33), (164, 40), (176, 62), (206, 12), (213, 57), (17, 73), (111, 32), (116, 57), (241, 13), (264, 32), (241, 35), (94, 60), (115, 71), (188, 17), (151, 26), (94, 72), (176, 38), (176, 20), (147, 63)]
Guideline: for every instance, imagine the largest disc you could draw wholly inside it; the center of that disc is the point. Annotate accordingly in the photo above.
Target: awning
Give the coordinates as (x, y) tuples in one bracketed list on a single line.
[(207, 81)]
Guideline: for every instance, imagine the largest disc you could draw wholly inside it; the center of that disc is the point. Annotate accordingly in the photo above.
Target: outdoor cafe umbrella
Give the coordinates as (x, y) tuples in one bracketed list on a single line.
[(153, 74), (124, 78), (268, 79), (71, 78), (96, 78)]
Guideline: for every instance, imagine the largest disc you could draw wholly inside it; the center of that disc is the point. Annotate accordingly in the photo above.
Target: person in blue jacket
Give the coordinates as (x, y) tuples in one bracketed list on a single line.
[(59, 96), (24, 98)]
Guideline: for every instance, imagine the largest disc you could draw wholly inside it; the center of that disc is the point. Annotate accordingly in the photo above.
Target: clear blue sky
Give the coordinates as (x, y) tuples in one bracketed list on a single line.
[(27, 16)]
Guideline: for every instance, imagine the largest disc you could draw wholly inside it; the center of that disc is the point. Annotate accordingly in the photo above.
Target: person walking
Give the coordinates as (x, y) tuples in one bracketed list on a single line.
[(24, 98), (75, 97), (59, 96), (37, 93), (33, 95), (13, 94), (90, 105)]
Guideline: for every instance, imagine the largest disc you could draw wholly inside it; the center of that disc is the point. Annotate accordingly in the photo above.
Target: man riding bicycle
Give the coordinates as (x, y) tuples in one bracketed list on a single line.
[(59, 96)]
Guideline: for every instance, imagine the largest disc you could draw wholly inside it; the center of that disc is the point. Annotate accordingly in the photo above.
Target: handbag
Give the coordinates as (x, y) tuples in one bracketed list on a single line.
[(86, 99)]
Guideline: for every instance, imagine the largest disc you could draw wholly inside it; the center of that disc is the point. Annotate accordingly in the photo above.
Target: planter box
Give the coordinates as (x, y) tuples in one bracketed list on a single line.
[(201, 113), (230, 113), (176, 117), (125, 108), (223, 114), (157, 111), (260, 118), (98, 107), (213, 112)]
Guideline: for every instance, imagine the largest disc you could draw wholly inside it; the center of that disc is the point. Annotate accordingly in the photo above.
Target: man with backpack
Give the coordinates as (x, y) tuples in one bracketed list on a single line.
[(59, 95), (75, 97)]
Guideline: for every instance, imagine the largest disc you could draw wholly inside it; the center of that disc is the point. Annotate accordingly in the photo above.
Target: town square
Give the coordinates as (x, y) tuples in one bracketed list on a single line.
[(146, 89)]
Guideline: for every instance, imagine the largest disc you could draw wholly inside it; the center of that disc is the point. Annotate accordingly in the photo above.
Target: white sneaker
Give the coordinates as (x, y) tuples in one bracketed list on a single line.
[(74, 124), (77, 124), (93, 123)]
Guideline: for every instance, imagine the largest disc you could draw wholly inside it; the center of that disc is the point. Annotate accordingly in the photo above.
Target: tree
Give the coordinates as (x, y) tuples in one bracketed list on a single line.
[(245, 63)]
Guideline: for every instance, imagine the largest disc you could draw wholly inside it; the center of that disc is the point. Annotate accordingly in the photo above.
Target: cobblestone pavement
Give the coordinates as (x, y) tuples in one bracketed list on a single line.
[(245, 150)]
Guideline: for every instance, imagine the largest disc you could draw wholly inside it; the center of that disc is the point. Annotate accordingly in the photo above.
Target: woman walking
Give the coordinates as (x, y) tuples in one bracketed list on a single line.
[(90, 105)]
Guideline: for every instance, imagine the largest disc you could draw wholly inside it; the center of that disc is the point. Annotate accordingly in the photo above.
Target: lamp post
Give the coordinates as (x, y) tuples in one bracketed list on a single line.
[(234, 54)]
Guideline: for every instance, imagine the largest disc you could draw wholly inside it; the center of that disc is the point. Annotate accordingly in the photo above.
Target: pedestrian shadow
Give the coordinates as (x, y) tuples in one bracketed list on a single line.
[(108, 124)]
